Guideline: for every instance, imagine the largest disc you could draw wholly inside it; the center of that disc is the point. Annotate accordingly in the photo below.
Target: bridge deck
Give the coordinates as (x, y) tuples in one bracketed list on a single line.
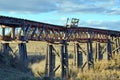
[(32, 30)]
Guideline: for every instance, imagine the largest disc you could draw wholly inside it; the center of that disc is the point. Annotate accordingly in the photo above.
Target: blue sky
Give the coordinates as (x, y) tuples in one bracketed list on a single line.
[(103, 14)]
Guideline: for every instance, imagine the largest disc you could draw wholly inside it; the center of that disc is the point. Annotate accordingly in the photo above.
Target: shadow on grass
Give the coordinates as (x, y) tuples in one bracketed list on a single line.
[(35, 58)]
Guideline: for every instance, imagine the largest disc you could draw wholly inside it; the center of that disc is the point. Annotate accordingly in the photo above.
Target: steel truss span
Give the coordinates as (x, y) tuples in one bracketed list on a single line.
[(38, 31)]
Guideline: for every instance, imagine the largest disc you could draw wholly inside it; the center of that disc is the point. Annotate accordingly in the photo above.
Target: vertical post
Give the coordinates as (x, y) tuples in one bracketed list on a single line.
[(22, 49), (3, 32), (90, 54), (80, 59), (98, 53), (46, 65), (116, 45), (6, 52), (13, 33), (75, 54), (109, 49), (23, 34), (23, 54), (6, 48), (64, 60), (50, 62), (78, 56), (63, 73)]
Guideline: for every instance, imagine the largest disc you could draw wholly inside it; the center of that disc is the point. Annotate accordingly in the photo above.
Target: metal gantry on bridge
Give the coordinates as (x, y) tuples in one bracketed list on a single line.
[(21, 31)]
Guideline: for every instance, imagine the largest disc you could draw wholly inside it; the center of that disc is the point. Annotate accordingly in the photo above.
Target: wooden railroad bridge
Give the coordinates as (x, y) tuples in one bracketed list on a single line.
[(21, 31)]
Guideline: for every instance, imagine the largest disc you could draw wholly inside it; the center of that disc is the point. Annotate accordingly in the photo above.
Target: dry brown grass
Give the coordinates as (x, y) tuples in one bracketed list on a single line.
[(103, 70)]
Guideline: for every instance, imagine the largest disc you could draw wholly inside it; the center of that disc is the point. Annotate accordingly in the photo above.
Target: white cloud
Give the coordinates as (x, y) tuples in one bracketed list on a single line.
[(113, 24), (114, 11), (63, 6), (25, 6), (90, 6)]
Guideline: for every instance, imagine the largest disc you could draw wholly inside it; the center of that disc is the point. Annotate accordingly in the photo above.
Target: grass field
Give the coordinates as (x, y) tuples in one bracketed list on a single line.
[(103, 70)]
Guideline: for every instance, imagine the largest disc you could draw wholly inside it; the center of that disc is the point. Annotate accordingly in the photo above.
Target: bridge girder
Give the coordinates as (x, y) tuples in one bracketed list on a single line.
[(38, 31)]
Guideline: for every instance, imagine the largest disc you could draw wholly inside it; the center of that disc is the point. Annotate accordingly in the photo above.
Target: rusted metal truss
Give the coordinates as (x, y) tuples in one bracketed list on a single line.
[(22, 29)]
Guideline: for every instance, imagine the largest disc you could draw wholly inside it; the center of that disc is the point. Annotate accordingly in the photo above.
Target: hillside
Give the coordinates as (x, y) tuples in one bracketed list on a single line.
[(10, 73)]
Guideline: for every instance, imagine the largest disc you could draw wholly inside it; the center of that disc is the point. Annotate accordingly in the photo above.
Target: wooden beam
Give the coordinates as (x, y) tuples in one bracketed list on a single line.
[(64, 60)]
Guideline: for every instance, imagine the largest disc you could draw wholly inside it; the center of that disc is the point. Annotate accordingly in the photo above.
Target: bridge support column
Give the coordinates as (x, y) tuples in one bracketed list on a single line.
[(64, 60), (13, 33), (23, 54), (90, 55), (78, 58), (5, 48), (109, 49), (3, 32), (118, 45), (5, 52), (99, 55), (97, 52), (50, 62)]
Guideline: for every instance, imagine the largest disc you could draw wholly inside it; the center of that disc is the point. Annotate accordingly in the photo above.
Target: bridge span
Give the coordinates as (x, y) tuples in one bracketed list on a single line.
[(21, 31)]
